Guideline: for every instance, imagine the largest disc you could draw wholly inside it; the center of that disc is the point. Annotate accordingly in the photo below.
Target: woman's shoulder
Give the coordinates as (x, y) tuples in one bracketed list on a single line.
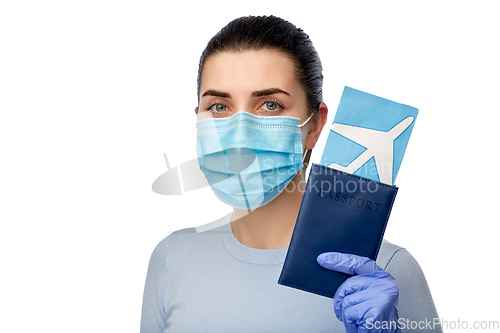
[(398, 261), (415, 302), (188, 239), (391, 253)]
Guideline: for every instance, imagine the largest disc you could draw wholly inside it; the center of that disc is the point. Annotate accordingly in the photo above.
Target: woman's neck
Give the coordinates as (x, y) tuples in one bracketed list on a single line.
[(271, 226)]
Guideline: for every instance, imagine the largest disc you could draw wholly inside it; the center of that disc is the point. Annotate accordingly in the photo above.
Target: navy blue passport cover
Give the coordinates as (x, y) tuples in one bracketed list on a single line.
[(340, 212)]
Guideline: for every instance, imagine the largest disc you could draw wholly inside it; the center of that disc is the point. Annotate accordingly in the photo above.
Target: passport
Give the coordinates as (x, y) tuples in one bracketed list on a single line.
[(369, 136), (340, 212)]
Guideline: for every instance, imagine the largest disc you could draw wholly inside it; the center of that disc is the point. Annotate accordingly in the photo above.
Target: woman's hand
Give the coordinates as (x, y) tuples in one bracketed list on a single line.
[(365, 302)]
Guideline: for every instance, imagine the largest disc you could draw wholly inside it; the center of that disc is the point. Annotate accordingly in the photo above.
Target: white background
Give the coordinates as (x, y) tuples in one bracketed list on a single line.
[(92, 93)]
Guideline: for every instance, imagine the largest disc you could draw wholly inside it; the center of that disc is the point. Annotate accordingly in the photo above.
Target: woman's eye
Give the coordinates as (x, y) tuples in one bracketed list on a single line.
[(217, 107), (220, 108), (271, 106)]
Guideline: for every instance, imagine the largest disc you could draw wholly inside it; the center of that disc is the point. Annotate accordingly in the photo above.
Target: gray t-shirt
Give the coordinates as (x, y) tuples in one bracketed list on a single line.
[(209, 282)]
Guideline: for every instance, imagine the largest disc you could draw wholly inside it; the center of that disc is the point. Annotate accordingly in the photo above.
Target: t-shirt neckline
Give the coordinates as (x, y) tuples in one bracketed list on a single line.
[(250, 254)]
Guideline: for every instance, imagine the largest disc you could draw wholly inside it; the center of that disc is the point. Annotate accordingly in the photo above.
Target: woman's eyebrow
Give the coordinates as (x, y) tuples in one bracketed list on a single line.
[(267, 92), (211, 92), (258, 93)]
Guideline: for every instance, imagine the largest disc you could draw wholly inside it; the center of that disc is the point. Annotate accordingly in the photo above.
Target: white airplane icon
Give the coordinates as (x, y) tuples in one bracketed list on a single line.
[(378, 144)]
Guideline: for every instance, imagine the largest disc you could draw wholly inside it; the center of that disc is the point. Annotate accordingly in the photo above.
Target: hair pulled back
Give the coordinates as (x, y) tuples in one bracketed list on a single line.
[(271, 32)]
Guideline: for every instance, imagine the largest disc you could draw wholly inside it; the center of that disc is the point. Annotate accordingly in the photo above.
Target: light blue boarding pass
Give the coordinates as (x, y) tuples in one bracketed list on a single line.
[(369, 136)]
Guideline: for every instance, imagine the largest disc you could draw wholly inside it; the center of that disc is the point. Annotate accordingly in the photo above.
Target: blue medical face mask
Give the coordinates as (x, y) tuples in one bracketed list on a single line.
[(249, 160)]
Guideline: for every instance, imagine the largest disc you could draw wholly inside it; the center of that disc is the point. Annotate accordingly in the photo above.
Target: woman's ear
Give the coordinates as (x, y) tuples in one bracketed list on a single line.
[(196, 110), (318, 122)]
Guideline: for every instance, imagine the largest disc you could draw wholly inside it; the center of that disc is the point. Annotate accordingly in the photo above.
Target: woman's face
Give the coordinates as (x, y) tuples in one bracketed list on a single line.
[(261, 82)]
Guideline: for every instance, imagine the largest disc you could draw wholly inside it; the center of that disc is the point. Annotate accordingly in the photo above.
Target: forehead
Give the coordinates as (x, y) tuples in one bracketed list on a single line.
[(249, 71)]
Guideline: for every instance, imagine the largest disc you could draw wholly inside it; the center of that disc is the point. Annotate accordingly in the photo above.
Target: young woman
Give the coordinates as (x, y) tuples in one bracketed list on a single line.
[(260, 112)]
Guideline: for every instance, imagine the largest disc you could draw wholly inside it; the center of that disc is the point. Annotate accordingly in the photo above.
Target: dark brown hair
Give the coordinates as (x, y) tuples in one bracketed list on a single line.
[(271, 32)]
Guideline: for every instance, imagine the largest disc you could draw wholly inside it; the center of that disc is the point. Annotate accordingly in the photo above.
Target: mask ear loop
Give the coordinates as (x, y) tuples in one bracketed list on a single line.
[(307, 153), (305, 122), (306, 157)]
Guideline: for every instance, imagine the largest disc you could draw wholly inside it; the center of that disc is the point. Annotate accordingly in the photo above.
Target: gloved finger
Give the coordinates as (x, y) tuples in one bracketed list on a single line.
[(360, 282), (361, 316), (376, 303), (351, 317), (363, 288), (347, 263), (341, 300), (350, 286), (377, 282), (350, 327), (366, 315)]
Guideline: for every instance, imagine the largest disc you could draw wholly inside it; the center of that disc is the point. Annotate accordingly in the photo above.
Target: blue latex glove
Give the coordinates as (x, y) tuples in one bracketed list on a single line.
[(365, 302)]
